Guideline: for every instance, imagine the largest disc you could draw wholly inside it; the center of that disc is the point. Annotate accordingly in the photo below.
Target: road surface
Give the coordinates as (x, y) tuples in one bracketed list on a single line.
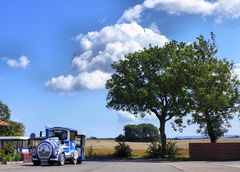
[(95, 166)]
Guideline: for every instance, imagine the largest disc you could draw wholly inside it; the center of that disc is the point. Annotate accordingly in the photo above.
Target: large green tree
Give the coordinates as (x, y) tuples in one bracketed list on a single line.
[(4, 112), (214, 89), (14, 128), (152, 81)]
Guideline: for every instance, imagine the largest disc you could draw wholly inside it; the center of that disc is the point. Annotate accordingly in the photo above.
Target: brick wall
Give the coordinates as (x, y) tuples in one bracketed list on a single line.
[(214, 151)]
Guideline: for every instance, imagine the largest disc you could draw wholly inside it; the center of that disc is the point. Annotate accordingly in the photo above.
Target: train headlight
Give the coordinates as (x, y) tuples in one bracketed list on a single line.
[(57, 150)]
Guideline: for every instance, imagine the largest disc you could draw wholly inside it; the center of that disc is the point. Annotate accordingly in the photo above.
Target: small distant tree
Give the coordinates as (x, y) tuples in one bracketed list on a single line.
[(120, 138), (215, 89), (131, 133), (148, 133), (141, 133)]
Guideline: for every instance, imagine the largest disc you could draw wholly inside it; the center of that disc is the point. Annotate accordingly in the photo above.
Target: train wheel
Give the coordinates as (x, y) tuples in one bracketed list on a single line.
[(74, 161), (61, 162), (36, 163)]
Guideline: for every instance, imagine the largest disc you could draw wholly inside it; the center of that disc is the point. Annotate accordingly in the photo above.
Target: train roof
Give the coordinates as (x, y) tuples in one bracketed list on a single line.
[(66, 128)]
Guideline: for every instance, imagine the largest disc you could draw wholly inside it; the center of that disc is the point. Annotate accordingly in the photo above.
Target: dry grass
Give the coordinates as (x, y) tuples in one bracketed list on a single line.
[(184, 143), (106, 147)]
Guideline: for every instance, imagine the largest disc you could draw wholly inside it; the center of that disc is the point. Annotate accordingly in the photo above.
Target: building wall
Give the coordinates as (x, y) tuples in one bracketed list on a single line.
[(214, 151)]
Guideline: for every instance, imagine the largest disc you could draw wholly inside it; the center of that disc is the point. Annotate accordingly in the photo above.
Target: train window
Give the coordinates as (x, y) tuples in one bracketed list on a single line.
[(73, 135), (61, 134)]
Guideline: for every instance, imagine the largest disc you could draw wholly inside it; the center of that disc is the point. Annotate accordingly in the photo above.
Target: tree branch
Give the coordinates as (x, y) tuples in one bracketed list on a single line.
[(169, 117), (155, 112)]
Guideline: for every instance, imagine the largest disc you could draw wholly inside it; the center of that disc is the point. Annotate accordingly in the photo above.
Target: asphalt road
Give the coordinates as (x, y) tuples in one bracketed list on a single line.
[(207, 166), (94, 166)]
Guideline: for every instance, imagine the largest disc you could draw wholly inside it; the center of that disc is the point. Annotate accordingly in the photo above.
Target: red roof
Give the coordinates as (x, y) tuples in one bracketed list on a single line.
[(3, 123)]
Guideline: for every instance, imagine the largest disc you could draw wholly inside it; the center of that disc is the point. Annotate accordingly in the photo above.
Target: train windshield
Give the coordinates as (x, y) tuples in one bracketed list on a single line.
[(61, 134)]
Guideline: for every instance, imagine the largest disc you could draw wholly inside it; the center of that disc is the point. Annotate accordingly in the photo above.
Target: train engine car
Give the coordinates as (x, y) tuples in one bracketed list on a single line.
[(59, 145)]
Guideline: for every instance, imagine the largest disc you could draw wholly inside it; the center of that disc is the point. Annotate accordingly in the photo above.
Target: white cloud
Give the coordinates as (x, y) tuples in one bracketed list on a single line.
[(132, 14), (85, 80), (182, 6), (229, 9), (22, 62), (100, 49), (128, 118), (221, 9)]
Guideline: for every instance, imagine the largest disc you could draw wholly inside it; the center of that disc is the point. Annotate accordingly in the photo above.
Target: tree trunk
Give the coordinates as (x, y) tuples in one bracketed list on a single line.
[(163, 138), (211, 132)]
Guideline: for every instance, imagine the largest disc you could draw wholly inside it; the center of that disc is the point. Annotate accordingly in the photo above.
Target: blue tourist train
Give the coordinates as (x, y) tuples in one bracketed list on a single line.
[(58, 146)]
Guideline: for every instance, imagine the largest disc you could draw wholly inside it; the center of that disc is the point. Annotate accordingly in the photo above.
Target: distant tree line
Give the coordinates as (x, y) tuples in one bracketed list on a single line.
[(139, 133)]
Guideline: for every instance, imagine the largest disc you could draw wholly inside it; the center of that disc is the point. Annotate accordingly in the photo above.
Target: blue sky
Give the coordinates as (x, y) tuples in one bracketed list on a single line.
[(55, 56)]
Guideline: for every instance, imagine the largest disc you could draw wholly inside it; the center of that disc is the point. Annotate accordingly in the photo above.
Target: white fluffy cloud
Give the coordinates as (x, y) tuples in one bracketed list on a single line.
[(22, 62), (85, 80), (220, 8), (98, 50)]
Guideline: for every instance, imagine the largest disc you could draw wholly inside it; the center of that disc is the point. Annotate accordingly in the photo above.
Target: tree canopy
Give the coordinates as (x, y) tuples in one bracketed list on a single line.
[(152, 81), (5, 112), (214, 89), (174, 80), (14, 128)]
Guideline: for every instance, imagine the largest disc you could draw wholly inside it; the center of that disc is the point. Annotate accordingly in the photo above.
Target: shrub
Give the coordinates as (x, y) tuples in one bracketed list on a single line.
[(153, 150), (9, 149), (2, 155), (172, 149), (8, 157), (7, 153), (5, 157), (18, 157), (122, 150)]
